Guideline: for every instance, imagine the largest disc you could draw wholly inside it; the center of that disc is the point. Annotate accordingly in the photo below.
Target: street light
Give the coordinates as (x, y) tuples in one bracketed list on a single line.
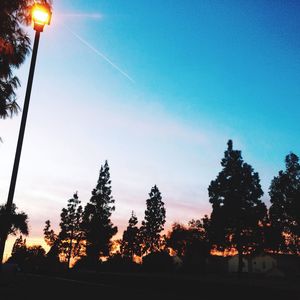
[(41, 16)]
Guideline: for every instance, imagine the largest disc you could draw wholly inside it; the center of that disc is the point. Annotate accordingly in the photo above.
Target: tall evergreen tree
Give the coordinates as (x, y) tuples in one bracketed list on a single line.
[(154, 221), (52, 240), (70, 225), (130, 243), (97, 226), (284, 211), (68, 242), (237, 211)]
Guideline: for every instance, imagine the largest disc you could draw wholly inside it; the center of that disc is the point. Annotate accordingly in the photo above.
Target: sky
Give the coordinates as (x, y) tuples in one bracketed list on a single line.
[(156, 88)]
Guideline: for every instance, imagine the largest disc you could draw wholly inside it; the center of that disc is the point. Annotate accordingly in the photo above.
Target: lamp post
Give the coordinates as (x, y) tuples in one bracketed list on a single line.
[(41, 16)]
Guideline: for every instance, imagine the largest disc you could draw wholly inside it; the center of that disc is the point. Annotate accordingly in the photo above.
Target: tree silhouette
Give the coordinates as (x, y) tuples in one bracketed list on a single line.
[(130, 243), (154, 220), (190, 243), (237, 211), (71, 233), (158, 261), (68, 242), (29, 259), (14, 47), (19, 251), (285, 206), (17, 222), (198, 246), (97, 226), (52, 240), (274, 239), (178, 238)]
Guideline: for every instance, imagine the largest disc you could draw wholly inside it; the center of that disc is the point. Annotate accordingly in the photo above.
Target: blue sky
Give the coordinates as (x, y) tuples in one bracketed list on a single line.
[(196, 74)]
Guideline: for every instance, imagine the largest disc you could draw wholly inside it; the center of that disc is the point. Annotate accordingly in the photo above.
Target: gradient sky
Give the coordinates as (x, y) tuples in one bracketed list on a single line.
[(156, 88)]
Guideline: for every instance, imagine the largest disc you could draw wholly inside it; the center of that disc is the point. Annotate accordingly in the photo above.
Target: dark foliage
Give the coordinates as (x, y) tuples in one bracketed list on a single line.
[(29, 259), (17, 222), (159, 261), (86, 263), (14, 47), (237, 211), (68, 243), (153, 224), (97, 226), (130, 243), (285, 207), (119, 263), (70, 235)]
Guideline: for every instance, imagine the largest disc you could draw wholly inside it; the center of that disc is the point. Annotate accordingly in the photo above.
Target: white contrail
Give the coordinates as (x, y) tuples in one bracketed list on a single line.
[(82, 15), (100, 54)]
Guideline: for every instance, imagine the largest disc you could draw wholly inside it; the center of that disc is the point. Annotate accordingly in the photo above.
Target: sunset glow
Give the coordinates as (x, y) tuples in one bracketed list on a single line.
[(156, 90)]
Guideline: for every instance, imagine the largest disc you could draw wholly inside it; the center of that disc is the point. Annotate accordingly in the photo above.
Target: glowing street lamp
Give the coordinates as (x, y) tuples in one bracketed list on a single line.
[(41, 16)]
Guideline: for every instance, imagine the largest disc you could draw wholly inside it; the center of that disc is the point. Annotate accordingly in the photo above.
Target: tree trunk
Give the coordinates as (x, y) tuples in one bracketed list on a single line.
[(241, 263), (70, 253), (3, 237), (70, 248), (240, 253)]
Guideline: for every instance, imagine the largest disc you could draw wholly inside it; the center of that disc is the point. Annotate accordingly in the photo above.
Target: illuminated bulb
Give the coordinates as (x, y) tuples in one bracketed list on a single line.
[(40, 16)]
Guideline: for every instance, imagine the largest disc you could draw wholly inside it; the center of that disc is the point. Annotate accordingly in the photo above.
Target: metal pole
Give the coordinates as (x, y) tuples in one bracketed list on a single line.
[(9, 203)]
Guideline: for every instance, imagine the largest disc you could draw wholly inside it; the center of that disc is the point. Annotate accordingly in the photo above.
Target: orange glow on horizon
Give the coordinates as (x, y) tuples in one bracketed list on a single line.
[(30, 241), (225, 253)]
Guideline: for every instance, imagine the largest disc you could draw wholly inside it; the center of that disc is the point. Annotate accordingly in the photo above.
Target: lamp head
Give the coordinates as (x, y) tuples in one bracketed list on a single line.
[(41, 16)]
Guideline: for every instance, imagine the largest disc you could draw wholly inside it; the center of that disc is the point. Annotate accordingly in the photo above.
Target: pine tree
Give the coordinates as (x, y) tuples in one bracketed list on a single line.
[(153, 224), (130, 243), (285, 206), (68, 242), (52, 240), (97, 226), (70, 225), (237, 211)]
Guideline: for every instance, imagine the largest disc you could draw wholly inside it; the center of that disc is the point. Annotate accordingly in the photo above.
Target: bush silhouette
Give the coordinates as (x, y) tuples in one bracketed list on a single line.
[(119, 263), (159, 261)]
